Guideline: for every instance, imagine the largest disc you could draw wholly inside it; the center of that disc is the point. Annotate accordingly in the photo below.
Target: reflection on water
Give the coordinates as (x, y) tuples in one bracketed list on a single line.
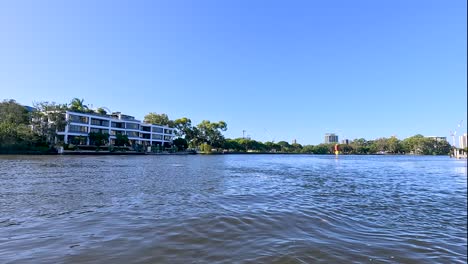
[(232, 209)]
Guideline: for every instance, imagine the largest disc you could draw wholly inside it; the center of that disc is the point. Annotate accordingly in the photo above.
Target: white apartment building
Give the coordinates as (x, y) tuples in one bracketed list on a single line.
[(79, 125)]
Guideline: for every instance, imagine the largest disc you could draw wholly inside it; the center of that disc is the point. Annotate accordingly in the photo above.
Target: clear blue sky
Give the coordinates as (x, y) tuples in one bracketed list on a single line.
[(280, 70)]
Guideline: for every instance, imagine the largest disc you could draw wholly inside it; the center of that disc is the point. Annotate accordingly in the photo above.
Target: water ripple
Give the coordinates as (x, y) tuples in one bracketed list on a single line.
[(233, 209)]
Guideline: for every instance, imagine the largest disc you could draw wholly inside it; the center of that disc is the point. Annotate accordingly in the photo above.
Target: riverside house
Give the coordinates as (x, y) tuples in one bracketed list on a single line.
[(79, 125)]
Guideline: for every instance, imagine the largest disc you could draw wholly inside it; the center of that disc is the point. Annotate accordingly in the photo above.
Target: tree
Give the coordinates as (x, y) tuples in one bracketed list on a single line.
[(345, 148), (180, 143), (232, 145), (394, 145), (121, 140), (14, 113), (48, 119), (98, 139), (15, 130), (158, 119), (271, 146), (78, 105), (321, 149), (210, 133), (183, 127), (284, 146), (413, 144), (360, 146), (308, 149), (442, 147), (296, 147), (101, 111)]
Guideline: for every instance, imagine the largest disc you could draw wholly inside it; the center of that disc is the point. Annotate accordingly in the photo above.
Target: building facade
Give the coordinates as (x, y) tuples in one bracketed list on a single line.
[(331, 138), (438, 139), (79, 125)]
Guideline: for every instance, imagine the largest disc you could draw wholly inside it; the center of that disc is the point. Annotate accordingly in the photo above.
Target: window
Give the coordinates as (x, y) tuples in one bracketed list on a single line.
[(78, 119), (99, 122), (157, 129), (155, 137), (117, 125), (167, 131), (146, 136), (77, 129), (97, 130), (116, 132), (145, 128), (132, 134), (167, 138), (132, 126)]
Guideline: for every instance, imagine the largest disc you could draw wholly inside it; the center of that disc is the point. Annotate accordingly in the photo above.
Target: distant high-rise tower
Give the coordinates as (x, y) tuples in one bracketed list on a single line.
[(463, 141), (331, 138), (294, 141)]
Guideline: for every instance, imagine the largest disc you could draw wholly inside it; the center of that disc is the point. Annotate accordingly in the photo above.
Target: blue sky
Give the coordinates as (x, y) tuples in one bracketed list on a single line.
[(281, 70)]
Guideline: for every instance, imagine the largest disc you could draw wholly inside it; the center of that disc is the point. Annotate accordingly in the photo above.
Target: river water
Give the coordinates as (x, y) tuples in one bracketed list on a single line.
[(233, 209)]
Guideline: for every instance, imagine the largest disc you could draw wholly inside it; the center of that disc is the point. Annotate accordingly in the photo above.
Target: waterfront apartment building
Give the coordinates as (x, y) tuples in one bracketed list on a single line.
[(331, 138), (463, 141), (79, 125)]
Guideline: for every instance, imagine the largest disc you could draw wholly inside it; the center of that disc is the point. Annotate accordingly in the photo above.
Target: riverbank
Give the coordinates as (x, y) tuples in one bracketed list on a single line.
[(121, 153)]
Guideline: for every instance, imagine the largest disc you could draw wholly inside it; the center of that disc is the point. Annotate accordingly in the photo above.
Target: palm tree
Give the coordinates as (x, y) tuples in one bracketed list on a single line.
[(78, 105)]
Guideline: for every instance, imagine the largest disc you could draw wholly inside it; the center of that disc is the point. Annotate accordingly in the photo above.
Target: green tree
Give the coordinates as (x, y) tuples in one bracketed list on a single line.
[(360, 146), (98, 139), (271, 146), (308, 149), (183, 127), (14, 113), (206, 148), (101, 111), (121, 140), (346, 148), (394, 145), (180, 143), (321, 149), (284, 146), (158, 119), (210, 133), (233, 145), (414, 144), (15, 130), (78, 105), (296, 148), (48, 119), (441, 147)]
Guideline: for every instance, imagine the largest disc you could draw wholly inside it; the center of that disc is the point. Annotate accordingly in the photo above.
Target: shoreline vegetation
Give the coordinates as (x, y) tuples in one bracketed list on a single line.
[(33, 130)]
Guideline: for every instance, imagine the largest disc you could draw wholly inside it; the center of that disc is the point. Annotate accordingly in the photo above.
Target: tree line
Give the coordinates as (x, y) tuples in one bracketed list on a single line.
[(25, 130), (208, 137), (417, 144)]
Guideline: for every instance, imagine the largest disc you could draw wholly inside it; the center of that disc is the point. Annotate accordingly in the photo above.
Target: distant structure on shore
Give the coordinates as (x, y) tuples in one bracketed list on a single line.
[(463, 141), (331, 138), (438, 139), (79, 125), (345, 141)]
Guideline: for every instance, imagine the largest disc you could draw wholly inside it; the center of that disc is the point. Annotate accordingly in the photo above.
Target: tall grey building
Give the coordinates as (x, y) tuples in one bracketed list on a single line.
[(331, 138)]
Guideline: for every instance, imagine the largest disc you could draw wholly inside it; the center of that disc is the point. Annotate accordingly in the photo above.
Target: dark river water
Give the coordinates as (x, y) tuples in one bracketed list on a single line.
[(233, 209)]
